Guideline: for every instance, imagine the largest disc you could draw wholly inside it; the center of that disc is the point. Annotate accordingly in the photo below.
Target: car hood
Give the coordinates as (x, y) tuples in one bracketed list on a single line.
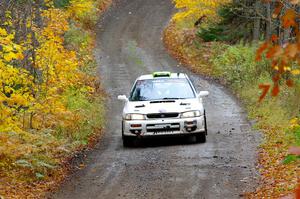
[(163, 106)]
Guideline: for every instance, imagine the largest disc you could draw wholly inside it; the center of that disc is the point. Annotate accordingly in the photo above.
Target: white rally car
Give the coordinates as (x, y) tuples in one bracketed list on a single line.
[(163, 104)]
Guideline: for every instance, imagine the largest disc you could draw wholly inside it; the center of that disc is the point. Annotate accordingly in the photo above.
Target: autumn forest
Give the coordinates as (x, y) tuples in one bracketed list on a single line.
[(53, 101)]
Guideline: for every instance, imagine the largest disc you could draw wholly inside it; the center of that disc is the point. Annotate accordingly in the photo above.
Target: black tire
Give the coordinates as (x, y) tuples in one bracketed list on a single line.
[(205, 124), (127, 141), (201, 137)]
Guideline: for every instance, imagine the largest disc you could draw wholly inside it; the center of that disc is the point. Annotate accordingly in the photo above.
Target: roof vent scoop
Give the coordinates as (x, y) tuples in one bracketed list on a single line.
[(161, 74)]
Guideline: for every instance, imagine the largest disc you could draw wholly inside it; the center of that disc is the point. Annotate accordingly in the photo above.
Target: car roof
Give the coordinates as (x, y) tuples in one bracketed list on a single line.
[(172, 75)]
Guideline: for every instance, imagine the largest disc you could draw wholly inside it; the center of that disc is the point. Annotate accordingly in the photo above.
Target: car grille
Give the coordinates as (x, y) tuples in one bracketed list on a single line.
[(162, 115), (163, 127)]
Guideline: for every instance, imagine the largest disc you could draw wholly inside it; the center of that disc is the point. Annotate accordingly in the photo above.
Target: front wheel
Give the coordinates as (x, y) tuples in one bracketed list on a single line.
[(205, 124), (201, 137), (127, 141)]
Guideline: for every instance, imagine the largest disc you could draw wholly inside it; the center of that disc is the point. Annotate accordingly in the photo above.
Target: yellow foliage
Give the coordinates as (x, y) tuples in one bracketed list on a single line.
[(295, 122), (28, 102), (3, 32), (35, 117), (15, 94), (81, 8), (10, 50), (296, 72), (191, 10), (60, 70)]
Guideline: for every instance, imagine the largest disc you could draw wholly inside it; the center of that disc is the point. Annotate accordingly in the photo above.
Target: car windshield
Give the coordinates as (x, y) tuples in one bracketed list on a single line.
[(162, 89)]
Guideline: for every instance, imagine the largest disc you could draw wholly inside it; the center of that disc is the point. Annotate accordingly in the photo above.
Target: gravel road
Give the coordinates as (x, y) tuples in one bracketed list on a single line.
[(129, 44)]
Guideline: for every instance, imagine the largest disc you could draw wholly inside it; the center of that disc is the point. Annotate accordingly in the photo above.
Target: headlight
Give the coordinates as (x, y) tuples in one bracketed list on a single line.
[(135, 117), (190, 114)]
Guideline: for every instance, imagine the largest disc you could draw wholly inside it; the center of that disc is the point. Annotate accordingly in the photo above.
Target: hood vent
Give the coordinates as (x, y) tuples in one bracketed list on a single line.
[(185, 104), (162, 101), (140, 106)]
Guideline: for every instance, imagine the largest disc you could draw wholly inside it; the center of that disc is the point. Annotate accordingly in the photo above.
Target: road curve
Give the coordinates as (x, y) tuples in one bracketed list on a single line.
[(129, 44)]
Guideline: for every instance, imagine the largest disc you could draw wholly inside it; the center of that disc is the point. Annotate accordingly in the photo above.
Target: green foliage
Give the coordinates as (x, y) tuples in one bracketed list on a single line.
[(80, 40), (76, 38), (91, 110), (294, 133), (297, 136), (231, 28), (23, 163), (238, 67), (212, 34), (61, 3), (291, 158), (39, 176)]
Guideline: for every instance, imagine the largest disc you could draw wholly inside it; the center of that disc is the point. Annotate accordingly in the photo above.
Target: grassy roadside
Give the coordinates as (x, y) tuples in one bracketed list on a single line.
[(35, 162), (277, 118)]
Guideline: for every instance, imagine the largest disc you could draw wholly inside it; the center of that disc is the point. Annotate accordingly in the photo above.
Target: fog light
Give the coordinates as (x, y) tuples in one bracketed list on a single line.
[(136, 132), (190, 125)]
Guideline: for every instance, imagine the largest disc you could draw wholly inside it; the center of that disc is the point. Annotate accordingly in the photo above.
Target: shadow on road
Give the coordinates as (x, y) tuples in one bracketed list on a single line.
[(163, 142)]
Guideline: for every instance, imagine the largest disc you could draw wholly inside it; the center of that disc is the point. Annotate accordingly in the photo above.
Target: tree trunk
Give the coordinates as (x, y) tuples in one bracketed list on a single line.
[(286, 35), (269, 21), (256, 25)]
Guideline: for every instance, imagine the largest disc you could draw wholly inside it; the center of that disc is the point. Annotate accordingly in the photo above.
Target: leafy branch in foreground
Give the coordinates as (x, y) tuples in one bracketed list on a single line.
[(283, 48)]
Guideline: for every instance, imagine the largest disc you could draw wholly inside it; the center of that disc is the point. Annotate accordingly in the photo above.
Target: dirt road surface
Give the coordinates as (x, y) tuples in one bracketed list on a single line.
[(129, 45)]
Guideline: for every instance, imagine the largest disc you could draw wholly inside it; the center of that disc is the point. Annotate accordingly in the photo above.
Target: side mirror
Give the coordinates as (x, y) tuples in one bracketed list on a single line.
[(203, 94), (122, 98)]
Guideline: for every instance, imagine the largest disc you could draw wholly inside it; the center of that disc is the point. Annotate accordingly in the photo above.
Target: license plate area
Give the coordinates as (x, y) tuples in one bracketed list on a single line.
[(163, 128)]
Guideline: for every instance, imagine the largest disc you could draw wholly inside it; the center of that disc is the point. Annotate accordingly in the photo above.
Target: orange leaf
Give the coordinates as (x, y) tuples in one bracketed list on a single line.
[(274, 63), (290, 83), (274, 38), (274, 52), (281, 68), (291, 50), (276, 78), (284, 62), (275, 90), (261, 49), (297, 192), (265, 89), (289, 18)]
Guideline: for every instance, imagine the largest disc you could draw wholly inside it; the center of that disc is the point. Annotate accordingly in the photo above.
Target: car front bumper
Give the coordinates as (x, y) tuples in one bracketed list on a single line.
[(164, 127)]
